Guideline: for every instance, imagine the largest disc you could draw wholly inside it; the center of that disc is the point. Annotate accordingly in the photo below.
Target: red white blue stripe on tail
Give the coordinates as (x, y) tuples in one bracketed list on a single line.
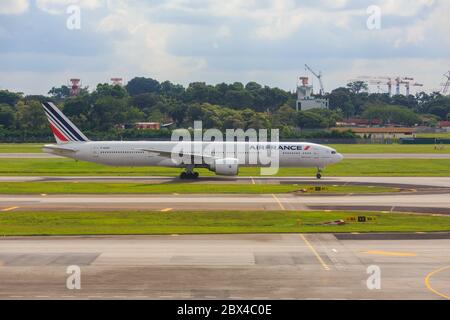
[(63, 129)]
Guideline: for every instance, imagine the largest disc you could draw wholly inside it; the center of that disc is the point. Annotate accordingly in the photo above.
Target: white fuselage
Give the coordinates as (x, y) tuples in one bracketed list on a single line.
[(134, 154)]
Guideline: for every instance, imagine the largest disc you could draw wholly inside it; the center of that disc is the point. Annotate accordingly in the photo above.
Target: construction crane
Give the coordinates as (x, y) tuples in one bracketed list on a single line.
[(379, 81), (409, 85), (408, 82), (447, 84), (318, 76)]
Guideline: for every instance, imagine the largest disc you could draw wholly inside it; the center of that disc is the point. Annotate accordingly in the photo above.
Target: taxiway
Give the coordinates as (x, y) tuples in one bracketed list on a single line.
[(276, 266)]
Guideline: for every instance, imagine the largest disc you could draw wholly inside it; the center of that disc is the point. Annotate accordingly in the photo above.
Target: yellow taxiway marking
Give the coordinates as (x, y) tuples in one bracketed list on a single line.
[(10, 209), (391, 254), (429, 287), (324, 265), (279, 202), (166, 210)]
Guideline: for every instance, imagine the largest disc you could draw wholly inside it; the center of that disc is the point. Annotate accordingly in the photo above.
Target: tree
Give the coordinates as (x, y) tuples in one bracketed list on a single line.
[(392, 115), (133, 115), (259, 121), (285, 116), (238, 99), (145, 101), (200, 92), (9, 98), (440, 111), (178, 113), (253, 86), (7, 116), (141, 85), (108, 90), (173, 90), (269, 99), (60, 93), (31, 116), (76, 106), (310, 120), (429, 120), (357, 87), (341, 101), (329, 117), (107, 112)]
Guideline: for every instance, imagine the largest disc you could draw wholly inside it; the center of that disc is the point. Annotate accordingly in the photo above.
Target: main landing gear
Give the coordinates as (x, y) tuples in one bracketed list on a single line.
[(189, 175), (319, 174)]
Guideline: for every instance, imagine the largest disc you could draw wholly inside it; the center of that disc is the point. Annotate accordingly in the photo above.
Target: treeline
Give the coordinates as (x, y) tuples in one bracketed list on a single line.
[(354, 101), (109, 112)]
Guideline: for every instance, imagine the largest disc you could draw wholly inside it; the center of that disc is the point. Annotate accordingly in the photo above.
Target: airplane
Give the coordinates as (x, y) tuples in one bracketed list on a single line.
[(72, 143)]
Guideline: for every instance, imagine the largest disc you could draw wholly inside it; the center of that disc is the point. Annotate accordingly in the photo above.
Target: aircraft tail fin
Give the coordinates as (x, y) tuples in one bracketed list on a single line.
[(63, 129)]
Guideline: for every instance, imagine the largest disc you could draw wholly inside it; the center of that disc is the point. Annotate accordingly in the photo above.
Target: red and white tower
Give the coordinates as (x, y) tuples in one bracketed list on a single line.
[(75, 86), (117, 81)]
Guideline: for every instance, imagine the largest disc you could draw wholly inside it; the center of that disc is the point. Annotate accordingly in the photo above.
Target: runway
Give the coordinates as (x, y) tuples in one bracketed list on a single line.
[(426, 195), (272, 266), (276, 266), (439, 203), (411, 182), (346, 156)]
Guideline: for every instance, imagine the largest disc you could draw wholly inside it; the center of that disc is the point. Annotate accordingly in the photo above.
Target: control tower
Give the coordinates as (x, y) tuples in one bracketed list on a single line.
[(305, 99)]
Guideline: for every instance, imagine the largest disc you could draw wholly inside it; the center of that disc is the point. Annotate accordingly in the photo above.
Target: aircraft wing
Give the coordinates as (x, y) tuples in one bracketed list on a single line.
[(168, 154)]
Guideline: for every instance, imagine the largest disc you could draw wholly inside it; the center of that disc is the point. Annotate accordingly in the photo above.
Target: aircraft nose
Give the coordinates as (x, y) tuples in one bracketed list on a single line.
[(340, 157)]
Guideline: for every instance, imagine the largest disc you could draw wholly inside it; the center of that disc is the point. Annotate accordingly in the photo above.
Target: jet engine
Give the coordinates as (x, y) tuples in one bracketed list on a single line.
[(225, 167)]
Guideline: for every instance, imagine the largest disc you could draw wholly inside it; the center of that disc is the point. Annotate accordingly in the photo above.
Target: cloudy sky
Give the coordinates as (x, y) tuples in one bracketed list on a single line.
[(268, 41)]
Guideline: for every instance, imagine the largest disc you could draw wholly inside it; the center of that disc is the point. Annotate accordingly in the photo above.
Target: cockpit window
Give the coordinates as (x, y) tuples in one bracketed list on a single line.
[(333, 152)]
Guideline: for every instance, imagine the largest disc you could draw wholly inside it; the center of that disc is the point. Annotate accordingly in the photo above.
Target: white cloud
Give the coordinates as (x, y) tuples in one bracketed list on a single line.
[(60, 6), (142, 46), (404, 7), (13, 6), (264, 40)]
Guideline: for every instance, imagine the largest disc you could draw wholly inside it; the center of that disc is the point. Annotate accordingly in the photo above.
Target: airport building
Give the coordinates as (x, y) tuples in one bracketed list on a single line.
[(380, 133), (305, 99)]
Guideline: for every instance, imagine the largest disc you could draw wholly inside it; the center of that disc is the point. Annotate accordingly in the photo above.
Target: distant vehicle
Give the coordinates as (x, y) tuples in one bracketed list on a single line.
[(72, 143)]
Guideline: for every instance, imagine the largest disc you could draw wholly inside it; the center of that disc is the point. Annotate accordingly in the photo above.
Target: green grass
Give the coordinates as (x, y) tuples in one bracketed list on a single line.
[(445, 135), (21, 147), (342, 148), (138, 223), (388, 148), (183, 188), (349, 167)]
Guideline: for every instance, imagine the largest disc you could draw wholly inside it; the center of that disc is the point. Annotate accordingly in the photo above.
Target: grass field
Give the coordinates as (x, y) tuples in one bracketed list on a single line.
[(133, 188), (434, 135), (21, 147), (388, 148), (342, 148), (122, 223), (350, 167)]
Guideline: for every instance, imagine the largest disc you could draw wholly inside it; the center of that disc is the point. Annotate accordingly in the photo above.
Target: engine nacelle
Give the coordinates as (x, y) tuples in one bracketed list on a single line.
[(225, 167)]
